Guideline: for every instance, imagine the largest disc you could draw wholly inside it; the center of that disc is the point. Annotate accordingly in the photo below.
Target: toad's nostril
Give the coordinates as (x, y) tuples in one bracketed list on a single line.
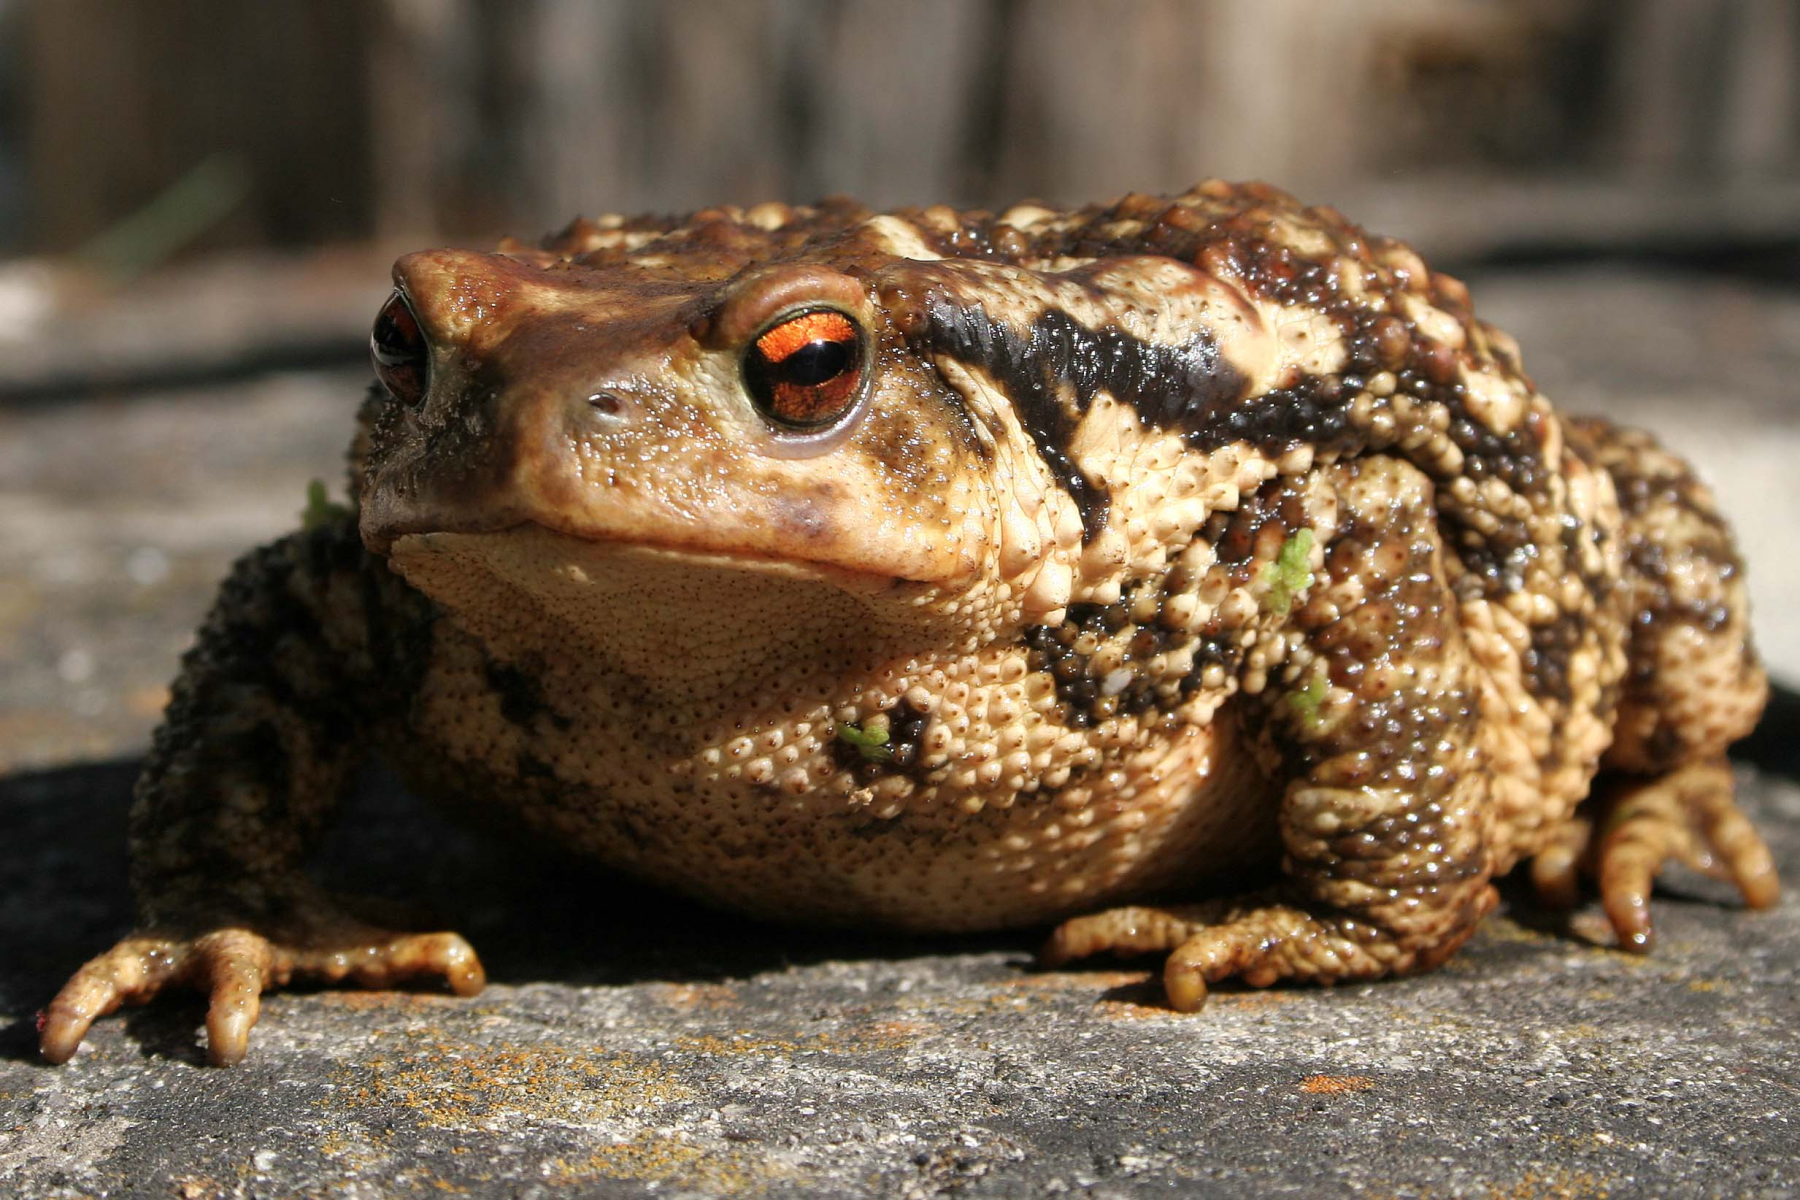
[(606, 404)]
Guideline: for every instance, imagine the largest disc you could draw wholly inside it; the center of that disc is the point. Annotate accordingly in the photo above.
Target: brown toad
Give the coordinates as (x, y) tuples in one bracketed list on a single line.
[(947, 571)]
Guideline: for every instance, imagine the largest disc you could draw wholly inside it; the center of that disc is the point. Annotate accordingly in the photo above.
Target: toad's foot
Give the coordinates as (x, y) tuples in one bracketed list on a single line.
[(1257, 943), (1688, 815), (234, 966)]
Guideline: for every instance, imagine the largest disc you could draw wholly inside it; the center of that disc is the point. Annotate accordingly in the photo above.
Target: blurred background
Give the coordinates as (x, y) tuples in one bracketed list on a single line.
[(1490, 125), (199, 200)]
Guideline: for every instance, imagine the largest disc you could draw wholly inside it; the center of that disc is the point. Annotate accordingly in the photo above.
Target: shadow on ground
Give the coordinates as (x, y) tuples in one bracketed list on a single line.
[(632, 1043), (536, 915)]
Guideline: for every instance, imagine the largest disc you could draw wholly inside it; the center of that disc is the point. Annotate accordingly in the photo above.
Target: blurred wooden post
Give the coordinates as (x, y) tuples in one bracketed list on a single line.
[(423, 59), (1759, 121), (415, 119), (123, 99)]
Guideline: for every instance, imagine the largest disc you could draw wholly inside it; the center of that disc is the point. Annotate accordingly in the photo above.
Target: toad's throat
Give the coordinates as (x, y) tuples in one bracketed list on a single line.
[(665, 619)]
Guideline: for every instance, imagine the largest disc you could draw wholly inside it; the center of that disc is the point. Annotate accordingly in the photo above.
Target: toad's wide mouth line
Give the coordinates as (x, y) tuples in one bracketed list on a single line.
[(555, 541)]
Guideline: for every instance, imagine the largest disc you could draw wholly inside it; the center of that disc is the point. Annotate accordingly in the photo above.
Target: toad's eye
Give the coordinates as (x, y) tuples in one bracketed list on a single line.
[(806, 371), (397, 346)]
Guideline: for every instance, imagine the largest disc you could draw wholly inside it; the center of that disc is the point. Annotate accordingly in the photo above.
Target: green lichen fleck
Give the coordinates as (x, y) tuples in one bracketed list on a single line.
[(320, 508), (1307, 700), (1291, 572), (872, 744)]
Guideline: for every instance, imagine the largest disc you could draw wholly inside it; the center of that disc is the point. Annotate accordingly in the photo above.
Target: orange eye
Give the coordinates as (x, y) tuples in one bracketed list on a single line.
[(806, 371)]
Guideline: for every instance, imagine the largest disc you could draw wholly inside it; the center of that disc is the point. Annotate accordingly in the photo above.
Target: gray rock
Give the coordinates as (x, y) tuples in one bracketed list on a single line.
[(634, 1045)]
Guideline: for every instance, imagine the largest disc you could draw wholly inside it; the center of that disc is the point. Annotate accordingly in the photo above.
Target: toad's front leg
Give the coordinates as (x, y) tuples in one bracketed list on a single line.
[(260, 738), (1384, 818)]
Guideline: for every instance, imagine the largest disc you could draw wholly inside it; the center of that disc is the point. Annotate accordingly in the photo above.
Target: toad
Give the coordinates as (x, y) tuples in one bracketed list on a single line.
[(1196, 575)]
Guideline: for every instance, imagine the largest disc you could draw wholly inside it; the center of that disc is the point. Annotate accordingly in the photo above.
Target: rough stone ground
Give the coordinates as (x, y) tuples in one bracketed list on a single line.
[(632, 1045)]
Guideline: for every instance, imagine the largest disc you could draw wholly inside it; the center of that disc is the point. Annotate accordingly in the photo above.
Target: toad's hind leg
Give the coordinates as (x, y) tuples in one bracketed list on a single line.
[(1693, 686), (1385, 820), (263, 730)]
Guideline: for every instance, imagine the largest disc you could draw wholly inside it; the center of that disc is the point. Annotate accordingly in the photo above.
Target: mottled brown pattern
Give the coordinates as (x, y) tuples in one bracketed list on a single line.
[(1158, 544), (1692, 685)]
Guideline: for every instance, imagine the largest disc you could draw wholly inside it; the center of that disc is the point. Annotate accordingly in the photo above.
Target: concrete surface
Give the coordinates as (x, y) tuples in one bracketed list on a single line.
[(632, 1045)]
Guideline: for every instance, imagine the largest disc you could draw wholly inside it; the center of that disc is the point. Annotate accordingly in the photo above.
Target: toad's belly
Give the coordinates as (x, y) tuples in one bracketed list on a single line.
[(1183, 814)]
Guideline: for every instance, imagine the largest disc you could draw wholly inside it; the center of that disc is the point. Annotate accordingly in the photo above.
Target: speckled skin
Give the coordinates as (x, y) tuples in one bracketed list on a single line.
[(1175, 546)]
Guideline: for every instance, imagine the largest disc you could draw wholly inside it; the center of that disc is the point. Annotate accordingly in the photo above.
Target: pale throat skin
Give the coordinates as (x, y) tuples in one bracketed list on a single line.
[(1123, 555)]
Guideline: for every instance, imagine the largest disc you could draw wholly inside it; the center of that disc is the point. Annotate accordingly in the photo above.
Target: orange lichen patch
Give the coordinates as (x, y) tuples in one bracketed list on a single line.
[(664, 1159), (878, 1036), (1707, 985), (742, 1043), (1023, 994), (1553, 1185), (1257, 998), (1335, 1085), (370, 1150), (469, 1085), (691, 997), (198, 1187), (1550, 1184), (361, 1001), (896, 1034), (1505, 929)]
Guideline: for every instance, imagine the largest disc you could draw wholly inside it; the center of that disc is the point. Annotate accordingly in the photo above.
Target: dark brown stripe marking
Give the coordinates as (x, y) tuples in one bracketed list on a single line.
[(1183, 387)]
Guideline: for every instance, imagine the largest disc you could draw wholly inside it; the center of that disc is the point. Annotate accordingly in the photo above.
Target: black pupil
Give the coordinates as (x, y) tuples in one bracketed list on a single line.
[(816, 363)]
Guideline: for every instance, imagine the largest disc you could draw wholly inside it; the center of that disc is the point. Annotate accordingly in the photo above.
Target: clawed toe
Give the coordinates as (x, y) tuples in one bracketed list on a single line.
[(233, 967), (1689, 816), (1257, 943), (129, 973), (1556, 869), (1122, 931)]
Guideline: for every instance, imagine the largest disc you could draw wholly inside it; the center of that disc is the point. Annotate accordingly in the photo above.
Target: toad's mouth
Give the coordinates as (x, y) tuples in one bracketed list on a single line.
[(557, 550), (669, 618)]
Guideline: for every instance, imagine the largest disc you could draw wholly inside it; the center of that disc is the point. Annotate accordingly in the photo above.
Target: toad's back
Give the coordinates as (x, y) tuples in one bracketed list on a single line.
[(946, 570)]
